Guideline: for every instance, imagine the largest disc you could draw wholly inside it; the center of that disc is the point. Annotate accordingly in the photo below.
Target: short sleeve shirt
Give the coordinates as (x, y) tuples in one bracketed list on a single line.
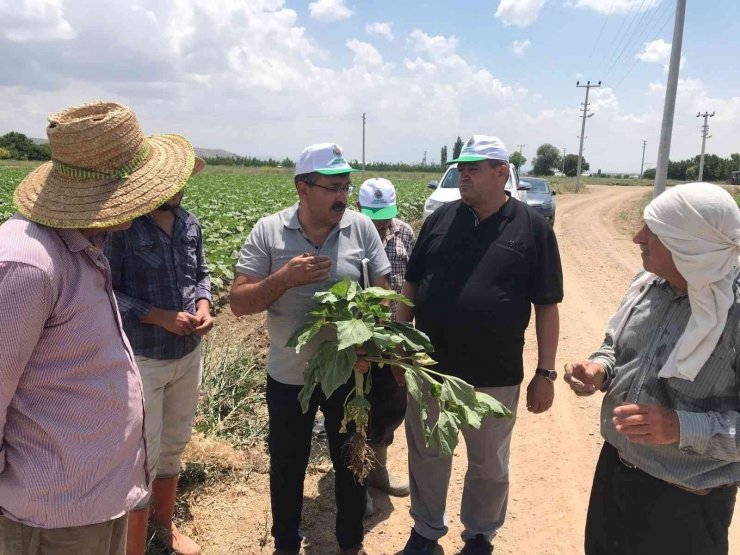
[(278, 238), (476, 282)]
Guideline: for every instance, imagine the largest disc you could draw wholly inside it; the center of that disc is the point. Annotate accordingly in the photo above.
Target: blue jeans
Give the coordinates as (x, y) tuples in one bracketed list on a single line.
[(289, 444)]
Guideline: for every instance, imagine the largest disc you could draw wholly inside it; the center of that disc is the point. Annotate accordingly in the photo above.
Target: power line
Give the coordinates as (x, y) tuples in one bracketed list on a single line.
[(617, 38), (601, 31), (670, 15), (628, 37)]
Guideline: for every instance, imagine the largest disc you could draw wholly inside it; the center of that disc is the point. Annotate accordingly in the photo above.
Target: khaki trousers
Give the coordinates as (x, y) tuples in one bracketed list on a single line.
[(105, 538)]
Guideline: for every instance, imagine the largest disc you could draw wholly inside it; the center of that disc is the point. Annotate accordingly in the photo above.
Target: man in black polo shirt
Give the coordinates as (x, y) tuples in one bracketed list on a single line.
[(477, 267)]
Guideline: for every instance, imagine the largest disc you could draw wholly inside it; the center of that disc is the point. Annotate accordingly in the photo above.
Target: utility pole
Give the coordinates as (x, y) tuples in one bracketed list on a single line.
[(563, 168), (520, 148), (642, 164), (704, 136), (588, 86), (666, 130), (424, 160), (363, 142)]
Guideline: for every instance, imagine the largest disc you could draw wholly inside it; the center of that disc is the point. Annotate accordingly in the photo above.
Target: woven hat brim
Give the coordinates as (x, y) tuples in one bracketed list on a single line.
[(49, 198)]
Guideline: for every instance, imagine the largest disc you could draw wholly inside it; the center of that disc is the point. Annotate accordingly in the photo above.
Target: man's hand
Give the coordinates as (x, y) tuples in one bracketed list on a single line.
[(584, 377), (205, 320), (650, 424), (540, 394), (179, 323), (304, 269)]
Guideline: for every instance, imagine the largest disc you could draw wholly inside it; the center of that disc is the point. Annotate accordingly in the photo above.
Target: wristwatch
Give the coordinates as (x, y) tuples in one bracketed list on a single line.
[(549, 374)]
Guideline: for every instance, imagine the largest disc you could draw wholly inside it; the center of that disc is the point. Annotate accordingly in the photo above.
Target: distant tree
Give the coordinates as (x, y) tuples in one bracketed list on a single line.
[(570, 167), (517, 160), (548, 157), (23, 148), (457, 148), (5, 154), (649, 174), (692, 173), (443, 156), (287, 163)]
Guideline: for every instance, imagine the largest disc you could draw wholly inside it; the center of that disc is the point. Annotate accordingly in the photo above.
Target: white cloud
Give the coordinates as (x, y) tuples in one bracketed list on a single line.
[(248, 77), (34, 20), (657, 51), (381, 29), (519, 47), (435, 46), (519, 13), (365, 53), (329, 10), (612, 6)]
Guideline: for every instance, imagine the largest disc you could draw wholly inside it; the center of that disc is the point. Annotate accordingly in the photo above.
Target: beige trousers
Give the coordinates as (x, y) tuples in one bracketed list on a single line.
[(170, 399), (105, 538)]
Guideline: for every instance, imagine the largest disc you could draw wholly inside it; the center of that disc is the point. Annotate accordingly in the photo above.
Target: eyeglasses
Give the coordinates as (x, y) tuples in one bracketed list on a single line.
[(346, 189)]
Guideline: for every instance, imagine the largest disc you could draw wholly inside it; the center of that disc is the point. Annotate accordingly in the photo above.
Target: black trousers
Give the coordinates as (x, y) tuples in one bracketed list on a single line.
[(289, 443), (387, 406), (633, 513)]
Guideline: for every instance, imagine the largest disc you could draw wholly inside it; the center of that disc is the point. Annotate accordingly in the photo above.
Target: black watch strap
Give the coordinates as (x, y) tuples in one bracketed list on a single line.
[(551, 375)]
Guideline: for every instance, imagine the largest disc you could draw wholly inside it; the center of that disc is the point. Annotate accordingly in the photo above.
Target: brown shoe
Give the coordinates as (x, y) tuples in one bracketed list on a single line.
[(179, 543)]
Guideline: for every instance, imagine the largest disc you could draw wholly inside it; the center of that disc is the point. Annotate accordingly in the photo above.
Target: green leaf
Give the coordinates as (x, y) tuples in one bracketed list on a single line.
[(445, 433), (414, 384), (325, 297), (336, 366), (414, 339), (343, 288), (488, 406), (304, 335), (352, 332), (386, 294), (457, 391)]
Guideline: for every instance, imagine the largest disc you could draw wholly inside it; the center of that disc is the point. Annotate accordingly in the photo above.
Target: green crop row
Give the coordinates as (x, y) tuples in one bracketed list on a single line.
[(229, 203)]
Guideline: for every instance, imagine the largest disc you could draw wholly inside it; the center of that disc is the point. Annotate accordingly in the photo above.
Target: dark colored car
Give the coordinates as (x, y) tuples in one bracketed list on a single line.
[(540, 197)]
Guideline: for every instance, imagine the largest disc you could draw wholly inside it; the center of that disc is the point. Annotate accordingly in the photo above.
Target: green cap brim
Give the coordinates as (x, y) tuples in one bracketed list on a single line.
[(336, 171), (468, 158), (385, 213)]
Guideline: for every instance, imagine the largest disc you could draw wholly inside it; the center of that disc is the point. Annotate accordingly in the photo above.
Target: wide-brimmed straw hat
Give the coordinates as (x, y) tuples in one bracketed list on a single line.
[(103, 170)]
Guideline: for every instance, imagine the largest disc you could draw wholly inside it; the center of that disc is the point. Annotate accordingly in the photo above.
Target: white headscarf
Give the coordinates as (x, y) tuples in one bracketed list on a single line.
[(699, 224)]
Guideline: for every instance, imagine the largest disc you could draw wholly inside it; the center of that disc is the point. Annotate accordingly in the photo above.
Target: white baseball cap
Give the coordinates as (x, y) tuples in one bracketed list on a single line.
[(378, 199), (482, 147), (324, 158)]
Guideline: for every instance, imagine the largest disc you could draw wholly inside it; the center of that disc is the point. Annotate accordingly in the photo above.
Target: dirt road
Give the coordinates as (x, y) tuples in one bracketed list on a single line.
[(553, 455)]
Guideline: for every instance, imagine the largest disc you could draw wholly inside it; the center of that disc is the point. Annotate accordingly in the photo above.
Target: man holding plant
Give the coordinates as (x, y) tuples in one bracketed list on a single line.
[(477, 267), (288, 257)]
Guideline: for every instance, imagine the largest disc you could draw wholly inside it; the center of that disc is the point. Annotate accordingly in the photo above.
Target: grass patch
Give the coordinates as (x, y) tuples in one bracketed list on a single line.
[(232, 404)]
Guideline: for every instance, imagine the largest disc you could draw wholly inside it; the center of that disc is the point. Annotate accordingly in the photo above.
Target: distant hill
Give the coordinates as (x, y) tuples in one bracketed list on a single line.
[(200, 152), (214, 153)]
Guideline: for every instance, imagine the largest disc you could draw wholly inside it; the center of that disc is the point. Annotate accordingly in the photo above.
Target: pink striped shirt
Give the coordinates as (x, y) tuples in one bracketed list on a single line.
[(72, 449)]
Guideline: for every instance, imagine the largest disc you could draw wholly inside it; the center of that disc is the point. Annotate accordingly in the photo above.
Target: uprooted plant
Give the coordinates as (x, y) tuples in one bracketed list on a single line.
[(362, 323)]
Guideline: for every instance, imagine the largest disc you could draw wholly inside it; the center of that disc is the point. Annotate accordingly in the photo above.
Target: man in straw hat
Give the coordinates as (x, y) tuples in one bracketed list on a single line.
[(666, 478), (287, 258), (377, 200), (73, 456), (479, 265), (163, 290)]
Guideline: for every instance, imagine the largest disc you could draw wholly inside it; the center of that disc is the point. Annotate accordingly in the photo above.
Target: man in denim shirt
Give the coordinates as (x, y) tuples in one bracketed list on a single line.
[(163, 291), (669, 366)]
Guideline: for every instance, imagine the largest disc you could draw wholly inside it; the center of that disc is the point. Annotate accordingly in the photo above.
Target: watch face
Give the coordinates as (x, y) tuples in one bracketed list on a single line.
[(551, 375)]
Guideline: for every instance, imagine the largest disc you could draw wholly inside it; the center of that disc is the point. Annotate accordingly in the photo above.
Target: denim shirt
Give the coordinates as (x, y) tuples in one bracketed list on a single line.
[(152, 269)]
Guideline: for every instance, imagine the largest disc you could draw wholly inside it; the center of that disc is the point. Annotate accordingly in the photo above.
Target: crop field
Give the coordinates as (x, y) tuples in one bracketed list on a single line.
[(228, 203)]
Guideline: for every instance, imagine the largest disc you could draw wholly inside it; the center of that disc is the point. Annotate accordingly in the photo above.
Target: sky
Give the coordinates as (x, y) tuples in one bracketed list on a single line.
[(268, 77)]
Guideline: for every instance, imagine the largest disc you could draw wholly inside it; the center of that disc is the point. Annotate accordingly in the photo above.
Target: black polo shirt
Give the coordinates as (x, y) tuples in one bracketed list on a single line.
[(476, 282)]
